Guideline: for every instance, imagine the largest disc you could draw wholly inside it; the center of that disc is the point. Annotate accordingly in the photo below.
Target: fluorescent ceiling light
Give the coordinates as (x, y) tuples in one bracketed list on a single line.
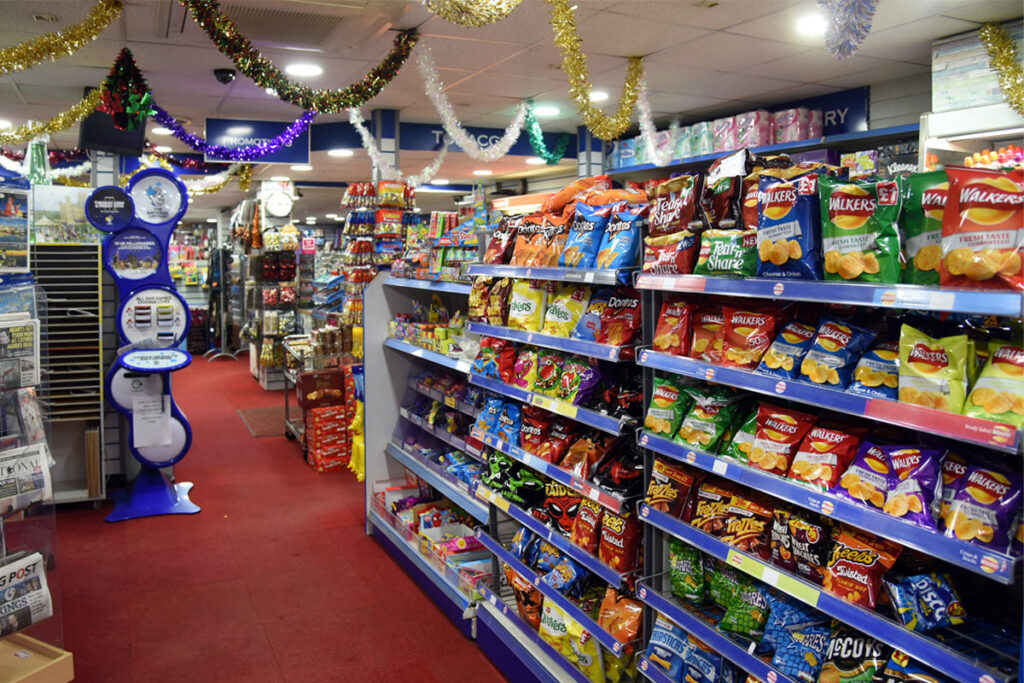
[(987, 134), (338, 218), (279, 178), (598, 95), (340, 152), (534, 161), (546, 110), (211, 220), (303, 70), (813, 24), (439, 181), (239, 130), (163, 149), (301, 167), (4, 123), (158, 131), (483, 171), (330, 215)]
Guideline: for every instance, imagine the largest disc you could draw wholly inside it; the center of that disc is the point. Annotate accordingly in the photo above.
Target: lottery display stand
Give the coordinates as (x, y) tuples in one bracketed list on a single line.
[(152, 322)]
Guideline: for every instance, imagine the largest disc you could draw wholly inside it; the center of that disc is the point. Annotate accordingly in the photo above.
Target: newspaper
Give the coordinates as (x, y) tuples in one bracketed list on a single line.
[(24, 595), (19, 352), (24, 477)]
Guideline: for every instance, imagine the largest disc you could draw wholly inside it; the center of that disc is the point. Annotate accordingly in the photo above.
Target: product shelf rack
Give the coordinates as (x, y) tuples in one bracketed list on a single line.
[(577, 346)]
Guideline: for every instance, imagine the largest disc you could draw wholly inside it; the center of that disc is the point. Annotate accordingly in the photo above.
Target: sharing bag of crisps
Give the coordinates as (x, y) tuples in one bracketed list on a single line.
[(999, 392), (527, 305), (672, 254), (933, 372), (787, 233), (620, 319), (585, 236), (529, 238), (620, 244), (983, 229), (565, 309), (860, 238), (730, 253), (921, 223), (499, 249), (674, 205)]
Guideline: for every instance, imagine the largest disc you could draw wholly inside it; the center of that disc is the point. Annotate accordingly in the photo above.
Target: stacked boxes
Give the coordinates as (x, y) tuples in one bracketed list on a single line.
[(327, 437)]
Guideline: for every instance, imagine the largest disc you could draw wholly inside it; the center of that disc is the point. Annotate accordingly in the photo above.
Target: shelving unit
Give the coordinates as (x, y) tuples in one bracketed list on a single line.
[(432, 285), (586, 276), (577, 346), (451, 489)]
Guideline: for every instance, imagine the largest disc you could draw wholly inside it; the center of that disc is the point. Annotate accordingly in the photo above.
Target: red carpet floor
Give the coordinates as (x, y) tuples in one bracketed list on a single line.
[(274, 580)]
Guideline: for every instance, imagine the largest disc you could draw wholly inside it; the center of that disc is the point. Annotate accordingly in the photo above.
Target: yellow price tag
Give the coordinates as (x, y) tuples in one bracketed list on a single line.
[(566, 409), (449, 401), (542, 401)]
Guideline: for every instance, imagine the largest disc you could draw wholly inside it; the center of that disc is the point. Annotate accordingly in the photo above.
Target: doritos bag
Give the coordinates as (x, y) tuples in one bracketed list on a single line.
[(529, 240), (620, 245), (585, 236), (556, 202), (620, 320)]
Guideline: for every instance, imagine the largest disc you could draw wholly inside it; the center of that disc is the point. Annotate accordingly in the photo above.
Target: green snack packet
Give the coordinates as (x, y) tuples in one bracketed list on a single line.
[(860, 239), (743, 442), (668, 405), (687, 573), (549, 371), (921, 223), (721, 580), (710, 416), (748, 611), (727, 252)]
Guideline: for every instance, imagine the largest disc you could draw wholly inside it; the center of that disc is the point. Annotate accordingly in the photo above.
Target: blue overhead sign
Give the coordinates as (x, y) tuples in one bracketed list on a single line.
[(428, 136), (236, 133), (845, 111)]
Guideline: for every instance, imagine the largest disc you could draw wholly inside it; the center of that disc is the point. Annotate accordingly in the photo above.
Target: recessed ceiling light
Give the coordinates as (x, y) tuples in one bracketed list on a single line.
[(4, 123), (303, 70), (340, 152), (161, 131), (238, 130), (211, 220), (483, 171), (271, 92), (311, 219), (301, 167), (813, 24), (338, 218), (279, 179), (598, 96), (439, 181), (331, 215), (574, 8), (534, 161), (546, 111), (163, 149)]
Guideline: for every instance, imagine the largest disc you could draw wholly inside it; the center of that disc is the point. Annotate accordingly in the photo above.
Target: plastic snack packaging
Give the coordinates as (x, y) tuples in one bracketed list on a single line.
[(954, 468), (590, 323), (620, 245), (586, 528), (747, 334), (476, 310), (779, 434), (536, 425), (860, 238), (686, 571), (926, 602), (748, 525), (525, 373), (712, 507), (902, 669), (707, 343), (620, 541), (781, 541), (522, 542), (503, 239), (561, 436), (727, 253), (586, 452), (528, 241), (566, 309), (811, 540), (668, 406), (786, 612), (567, 577), (674, 205), (984, 508), (877, 371), (670, 488), (921, 223), (585, 236), (586, 652), (528, 598), (674, 330), (999, 392), (509, 422), (553, 628), (933, 372), (852, 657), (856, 565), (834, 353), (487, 419), (672, 254), (785, 355), (556, 233), (711, 415), (620, 319), (788, 224), (867, 479), (496, 359), (705, 665), (556, 202), (621, 617), (579, 381), (743, 440), (628, 195), (668, 647), (498, 301), (526, 309), (824, 455), (747, 610), (549, 371), (983, 229), (802, 651), (914, 484)]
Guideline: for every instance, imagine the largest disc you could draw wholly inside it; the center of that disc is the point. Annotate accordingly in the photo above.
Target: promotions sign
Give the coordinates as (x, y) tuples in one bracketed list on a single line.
[(237, 133)]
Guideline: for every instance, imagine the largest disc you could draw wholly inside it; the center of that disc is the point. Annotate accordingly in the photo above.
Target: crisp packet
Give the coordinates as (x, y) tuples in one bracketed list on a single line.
[(687, 574), (727, 253), (747, 334), (526, 369), (509, 422), (784, 357), (852, 656), (487, 419), (567, 576), (836, 349), (903, 669), (999, 392), (566, 309), (779, 433), (867, 479), (499, 249), (553, 629), (705, 665), (707, 343), (984, 508), (521, 543), (585, 236), (674, 204), (586, 652), (856, 565), (526, 309), (877, 372), (913, 484), (668, 405), (579, 380), (668, 647), (788, 224), (860, 239), (747, 611), (673, 332), (620, 245), (590, 323), (549, 371), (710, 416), (933, 372), (671, 254), (802, 651), (620, 319), (743, 440), (925, 602), (824, 454), (921, 224)]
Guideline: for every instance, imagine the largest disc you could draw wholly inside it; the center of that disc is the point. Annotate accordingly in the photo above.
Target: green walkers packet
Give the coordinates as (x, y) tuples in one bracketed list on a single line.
[(668, 406), (743, 442), (687, 572), (727, 252), (921, 223), (860, 239)]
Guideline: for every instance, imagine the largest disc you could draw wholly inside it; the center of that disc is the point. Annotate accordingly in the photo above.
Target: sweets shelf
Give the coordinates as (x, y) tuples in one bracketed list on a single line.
[(600, 635), (412, 555), (591, 562), (449, 401), (911, 297), (591, 418), (432, 285), (693, 623), (582, 486), (867, 137), (448, 488), (995, 435), (960, 666), (442, 434), (584, 275), (542, 660), (577, 346), (425, 354), (997, 566)]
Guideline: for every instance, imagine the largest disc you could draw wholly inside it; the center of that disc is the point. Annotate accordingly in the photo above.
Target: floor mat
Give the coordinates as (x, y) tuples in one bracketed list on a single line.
[(263, 421)]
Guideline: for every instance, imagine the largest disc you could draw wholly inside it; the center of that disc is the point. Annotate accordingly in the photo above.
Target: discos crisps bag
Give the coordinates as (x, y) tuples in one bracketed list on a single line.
[(999, 392), (787, 233), (585, 236), (860, 239), (620, 245), (983, 229), (933, 372), (921, 224)]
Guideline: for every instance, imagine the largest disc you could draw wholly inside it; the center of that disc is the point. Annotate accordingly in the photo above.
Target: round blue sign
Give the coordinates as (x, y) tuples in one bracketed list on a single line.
[(133, 254), (109, 208)]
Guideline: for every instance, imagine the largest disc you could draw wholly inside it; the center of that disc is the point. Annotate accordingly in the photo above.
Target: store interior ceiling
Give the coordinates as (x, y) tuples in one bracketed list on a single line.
[(704, 58)]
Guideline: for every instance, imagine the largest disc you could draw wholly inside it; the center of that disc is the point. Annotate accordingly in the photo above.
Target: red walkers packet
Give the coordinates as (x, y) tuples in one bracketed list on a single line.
[(778, 436), (747, 334), (673, 333), (707, 344)]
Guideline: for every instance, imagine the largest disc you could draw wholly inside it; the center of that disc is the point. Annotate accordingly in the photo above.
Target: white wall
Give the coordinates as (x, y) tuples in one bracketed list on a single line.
[(901, 101)]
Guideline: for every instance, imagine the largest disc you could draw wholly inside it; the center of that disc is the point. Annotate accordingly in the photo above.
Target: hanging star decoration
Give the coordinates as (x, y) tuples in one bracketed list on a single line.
[(127, 98)]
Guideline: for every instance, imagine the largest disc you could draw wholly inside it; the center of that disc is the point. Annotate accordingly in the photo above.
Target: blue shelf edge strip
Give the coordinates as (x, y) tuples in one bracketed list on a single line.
[(919, 647), (586, 276), (448, 488), (707, 633), (426, 354), (431, 285), (421, 562), (600, 635), (652, 671), (992, 565), (442, 434), (534, 638), (913, 297), (577, 346), (460, 406)]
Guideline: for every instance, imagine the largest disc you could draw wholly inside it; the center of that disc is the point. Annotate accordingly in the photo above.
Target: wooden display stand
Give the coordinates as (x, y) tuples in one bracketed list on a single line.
[(27, 660)]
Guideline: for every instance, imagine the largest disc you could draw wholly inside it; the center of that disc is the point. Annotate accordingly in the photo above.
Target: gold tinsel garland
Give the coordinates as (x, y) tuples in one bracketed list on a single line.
[(574, 64), (472, 13), (1002, 53), (61, 121), (60, 43)]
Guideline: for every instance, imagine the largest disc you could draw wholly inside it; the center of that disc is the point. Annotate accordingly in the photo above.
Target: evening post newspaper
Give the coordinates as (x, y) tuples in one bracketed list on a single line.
[(24, 595)]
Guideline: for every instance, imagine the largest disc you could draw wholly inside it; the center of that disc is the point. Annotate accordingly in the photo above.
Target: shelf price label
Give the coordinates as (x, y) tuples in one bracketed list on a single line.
[(561, 407), (449, 401)]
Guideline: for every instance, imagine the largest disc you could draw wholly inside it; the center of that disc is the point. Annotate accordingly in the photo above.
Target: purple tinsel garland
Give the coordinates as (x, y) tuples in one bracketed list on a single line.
[(250, 153)]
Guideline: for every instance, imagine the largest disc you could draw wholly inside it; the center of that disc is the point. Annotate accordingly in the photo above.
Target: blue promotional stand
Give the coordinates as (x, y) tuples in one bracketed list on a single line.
[(152, 320)]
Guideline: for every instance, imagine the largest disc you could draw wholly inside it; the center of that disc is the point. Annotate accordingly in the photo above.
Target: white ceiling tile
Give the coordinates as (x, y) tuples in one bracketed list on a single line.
[(891, 72), (734, 86), (913, 39), (506, 85), (814, 66), (723, 52), (982, 12), (719, 15), (611, 33), (465, 53), (545, 60), (781, 25)]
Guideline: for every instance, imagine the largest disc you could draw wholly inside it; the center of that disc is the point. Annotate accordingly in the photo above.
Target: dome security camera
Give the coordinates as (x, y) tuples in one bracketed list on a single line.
[(224, 76)]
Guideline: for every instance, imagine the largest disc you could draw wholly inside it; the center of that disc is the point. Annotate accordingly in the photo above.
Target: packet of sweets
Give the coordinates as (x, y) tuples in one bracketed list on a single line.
[(921, 223), (727, 253), (860, 239), (620, 245), (999, 392), (984, 508), (590, 323), (835, 351), (673, 332), (913, 485), (877, 372), (566, 309), (856, 565), (707, 344), (665, 412), (527, 306), (784, 357), (933, 372), (585, 236), (747, 334), (788, 224)]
